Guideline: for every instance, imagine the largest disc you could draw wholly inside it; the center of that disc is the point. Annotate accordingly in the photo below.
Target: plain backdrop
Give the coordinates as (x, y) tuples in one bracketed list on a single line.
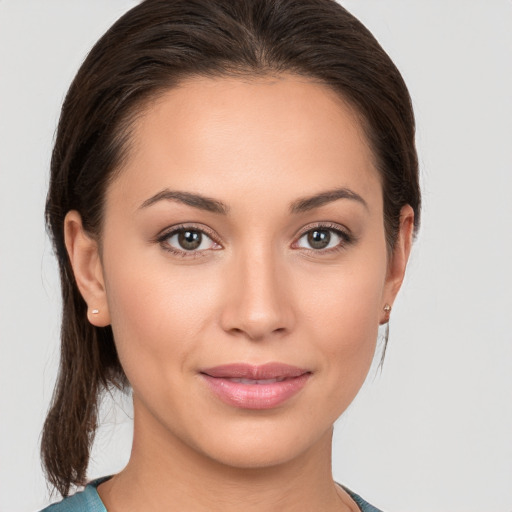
[(433, 431)]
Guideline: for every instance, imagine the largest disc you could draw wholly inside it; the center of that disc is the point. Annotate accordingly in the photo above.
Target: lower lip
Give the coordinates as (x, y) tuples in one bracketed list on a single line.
[(255, 396)]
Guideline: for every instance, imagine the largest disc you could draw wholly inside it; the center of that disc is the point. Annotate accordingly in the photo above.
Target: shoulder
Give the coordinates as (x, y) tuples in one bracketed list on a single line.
[(87, 500), (363, 505)]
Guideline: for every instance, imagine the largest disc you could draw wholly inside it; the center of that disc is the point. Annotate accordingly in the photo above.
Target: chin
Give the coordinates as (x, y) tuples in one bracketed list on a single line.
[(263, 445)]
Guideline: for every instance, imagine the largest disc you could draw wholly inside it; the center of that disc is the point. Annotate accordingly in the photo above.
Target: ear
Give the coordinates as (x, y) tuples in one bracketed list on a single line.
[(398, 260), (85, 260)]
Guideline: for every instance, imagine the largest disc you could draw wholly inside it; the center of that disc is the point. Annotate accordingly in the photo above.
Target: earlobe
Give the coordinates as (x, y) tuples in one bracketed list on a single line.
[(399, 258), (85, 260)]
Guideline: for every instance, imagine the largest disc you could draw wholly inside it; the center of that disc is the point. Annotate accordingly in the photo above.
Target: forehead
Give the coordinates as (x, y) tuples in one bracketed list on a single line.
[(223, 136)]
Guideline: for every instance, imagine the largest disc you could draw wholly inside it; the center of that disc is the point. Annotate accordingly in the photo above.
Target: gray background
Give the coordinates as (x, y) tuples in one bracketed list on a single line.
[(433, 432)]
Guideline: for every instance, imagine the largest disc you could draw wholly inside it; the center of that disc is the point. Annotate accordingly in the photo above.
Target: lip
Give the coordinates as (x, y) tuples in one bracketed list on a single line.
[(273, 383)]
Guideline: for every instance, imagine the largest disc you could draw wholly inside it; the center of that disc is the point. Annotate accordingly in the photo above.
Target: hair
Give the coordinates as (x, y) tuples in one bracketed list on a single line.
[(148, 51)]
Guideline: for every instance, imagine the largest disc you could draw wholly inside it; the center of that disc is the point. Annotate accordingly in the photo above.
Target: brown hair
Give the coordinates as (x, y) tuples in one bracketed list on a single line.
[(147, 51)]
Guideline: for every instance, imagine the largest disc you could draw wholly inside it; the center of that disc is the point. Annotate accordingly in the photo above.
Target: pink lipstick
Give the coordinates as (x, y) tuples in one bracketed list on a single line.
[(255, 387)]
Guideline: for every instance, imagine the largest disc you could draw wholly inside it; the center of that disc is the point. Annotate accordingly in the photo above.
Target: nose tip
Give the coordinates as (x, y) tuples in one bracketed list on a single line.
[(258, 306), (258, 327)]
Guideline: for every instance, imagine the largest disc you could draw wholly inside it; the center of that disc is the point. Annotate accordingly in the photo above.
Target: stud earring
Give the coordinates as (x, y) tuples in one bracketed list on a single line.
[(95, 311), (387, 308)]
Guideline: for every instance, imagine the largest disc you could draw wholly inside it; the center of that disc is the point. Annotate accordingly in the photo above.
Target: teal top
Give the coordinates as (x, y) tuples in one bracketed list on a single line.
[(89, 500)]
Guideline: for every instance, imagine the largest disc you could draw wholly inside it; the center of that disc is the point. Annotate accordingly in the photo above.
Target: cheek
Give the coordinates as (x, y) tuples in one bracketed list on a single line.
[(158, 313), (346, 299), (343, 312)]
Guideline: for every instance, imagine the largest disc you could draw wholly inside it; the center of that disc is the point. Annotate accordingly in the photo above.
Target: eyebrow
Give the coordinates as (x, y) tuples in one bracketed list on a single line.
[(194, 200), (213, 205), (309, 203)]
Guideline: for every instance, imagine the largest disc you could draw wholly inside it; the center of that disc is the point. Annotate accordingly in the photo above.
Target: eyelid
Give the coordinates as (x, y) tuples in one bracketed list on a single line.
[(166, 232), (325, 225)]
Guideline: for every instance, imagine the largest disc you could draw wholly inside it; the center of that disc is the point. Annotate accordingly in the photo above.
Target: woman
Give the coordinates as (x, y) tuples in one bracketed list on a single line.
[(233, 198)]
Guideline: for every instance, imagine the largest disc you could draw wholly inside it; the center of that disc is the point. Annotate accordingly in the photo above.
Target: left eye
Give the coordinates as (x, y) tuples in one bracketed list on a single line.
[(320, 238), (185, 239)]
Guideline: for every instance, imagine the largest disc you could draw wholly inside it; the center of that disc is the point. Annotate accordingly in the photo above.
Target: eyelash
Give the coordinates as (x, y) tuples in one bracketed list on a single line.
[(345, 236)]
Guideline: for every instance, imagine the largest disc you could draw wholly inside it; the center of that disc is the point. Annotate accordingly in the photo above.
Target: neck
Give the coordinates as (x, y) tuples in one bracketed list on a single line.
[(164, 470)]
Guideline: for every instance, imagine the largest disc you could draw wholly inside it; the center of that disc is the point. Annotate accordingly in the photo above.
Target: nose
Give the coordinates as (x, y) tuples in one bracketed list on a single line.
[(258, 304)]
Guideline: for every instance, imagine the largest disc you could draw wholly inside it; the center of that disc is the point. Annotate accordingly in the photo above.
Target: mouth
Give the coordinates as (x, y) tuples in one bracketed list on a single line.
[(255, 387), (256, 382)]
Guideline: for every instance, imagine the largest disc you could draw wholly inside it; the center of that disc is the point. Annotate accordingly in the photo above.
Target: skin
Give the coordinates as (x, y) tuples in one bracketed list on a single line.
[(257, 293)]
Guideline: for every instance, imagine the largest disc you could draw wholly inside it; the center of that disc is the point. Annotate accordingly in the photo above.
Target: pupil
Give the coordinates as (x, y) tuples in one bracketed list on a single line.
[(319, 238), (189, 240)]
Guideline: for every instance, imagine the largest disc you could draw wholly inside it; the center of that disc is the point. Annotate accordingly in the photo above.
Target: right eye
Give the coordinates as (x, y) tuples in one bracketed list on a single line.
[(187, 241)]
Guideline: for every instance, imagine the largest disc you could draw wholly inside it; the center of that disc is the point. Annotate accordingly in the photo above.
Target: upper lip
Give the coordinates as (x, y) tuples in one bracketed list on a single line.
[(255, 372)]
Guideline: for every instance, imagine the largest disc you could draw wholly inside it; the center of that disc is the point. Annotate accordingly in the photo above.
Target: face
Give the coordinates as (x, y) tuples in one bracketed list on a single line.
[(244, 267)]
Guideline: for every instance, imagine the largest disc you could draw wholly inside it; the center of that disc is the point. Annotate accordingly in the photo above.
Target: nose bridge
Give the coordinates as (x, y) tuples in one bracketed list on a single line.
[(257, 305)]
